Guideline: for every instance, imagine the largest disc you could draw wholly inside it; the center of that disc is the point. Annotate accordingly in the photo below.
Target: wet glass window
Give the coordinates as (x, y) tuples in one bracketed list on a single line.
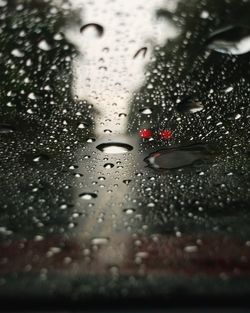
[(124, 144)]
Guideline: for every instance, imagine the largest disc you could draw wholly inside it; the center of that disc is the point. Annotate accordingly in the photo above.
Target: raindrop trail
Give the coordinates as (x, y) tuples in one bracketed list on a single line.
[(142, 51)]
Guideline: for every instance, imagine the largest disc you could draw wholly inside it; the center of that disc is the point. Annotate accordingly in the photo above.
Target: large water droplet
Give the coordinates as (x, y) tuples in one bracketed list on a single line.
[(114, 147), (17, 53), (99, 29), (129, 211), (6, 129), (90, 140), (99, 241), (88, 195), (191, 249), (146, 111), (189, 105), (127, 181), (43, 45), (108, 165), (174, 158), (41, 158), (230, 40)]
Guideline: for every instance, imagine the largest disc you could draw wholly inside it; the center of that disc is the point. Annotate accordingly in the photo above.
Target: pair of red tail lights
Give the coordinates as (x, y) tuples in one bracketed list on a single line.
[(147, 133)]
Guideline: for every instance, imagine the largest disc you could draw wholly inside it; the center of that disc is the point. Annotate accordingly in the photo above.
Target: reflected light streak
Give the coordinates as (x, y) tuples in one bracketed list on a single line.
[(110, 67)]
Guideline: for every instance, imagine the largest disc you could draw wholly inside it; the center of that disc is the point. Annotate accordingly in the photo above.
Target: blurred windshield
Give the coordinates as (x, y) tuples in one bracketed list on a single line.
[(124, 141)]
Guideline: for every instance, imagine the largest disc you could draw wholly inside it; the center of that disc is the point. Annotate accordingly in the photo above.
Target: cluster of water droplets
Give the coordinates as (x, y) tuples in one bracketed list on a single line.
[(107, 132)]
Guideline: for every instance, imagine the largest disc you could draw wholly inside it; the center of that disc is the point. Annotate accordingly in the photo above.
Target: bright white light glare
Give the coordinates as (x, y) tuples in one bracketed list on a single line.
[(106, 73)]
